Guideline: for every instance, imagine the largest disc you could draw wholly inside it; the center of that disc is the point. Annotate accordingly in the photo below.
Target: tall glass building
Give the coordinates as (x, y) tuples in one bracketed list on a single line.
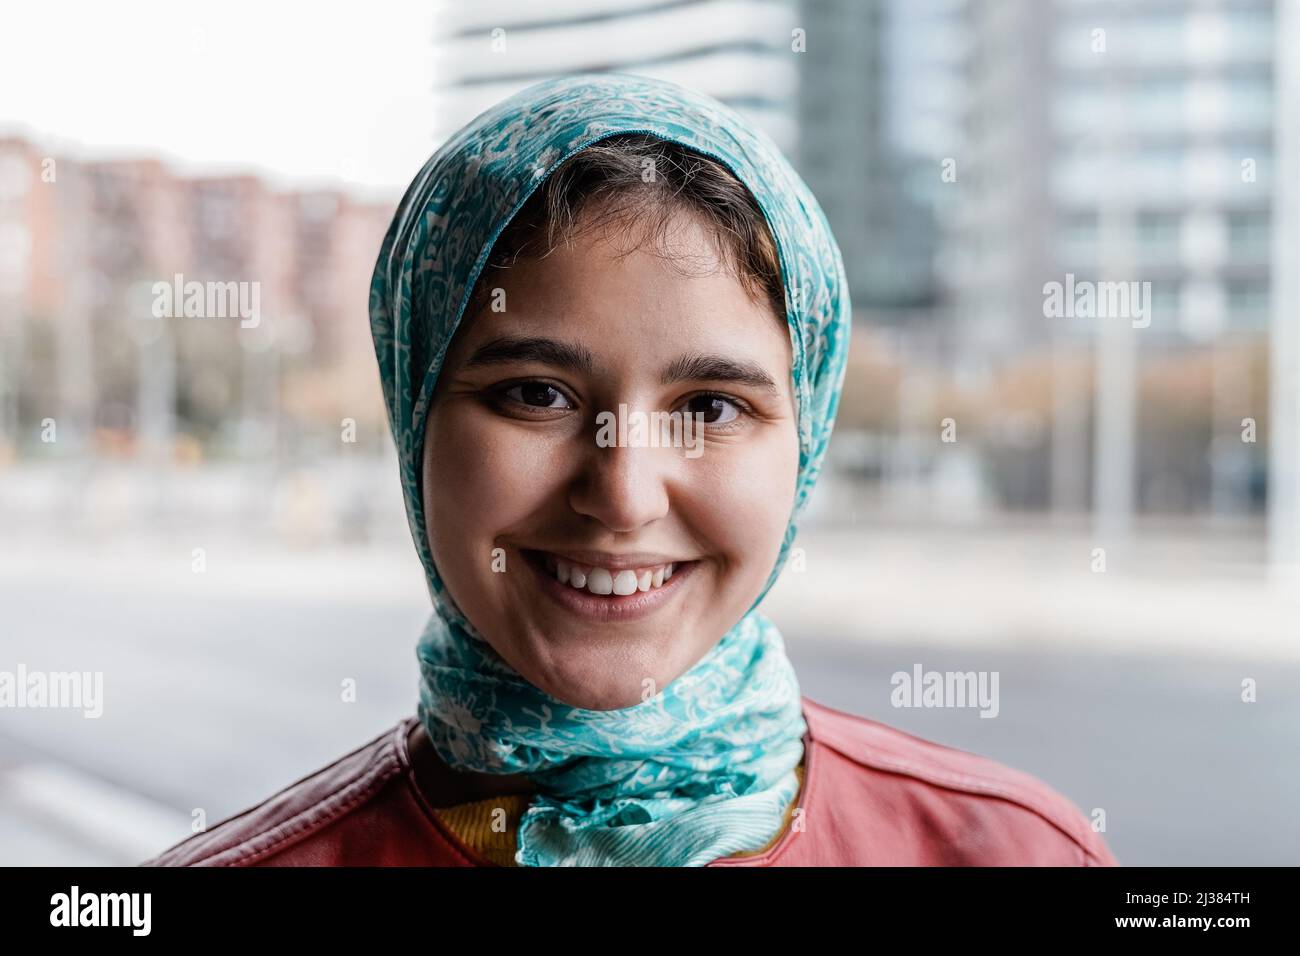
[(738, 51)]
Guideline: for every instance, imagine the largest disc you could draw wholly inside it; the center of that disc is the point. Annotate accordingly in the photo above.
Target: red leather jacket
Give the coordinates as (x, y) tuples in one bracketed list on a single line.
[(872, 796)]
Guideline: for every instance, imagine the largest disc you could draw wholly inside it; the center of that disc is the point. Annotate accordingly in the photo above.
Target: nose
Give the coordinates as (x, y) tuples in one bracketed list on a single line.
[(624, 488)]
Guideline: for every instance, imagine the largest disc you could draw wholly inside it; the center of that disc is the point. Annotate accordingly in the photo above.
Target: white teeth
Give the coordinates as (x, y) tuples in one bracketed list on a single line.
[(603, 581)]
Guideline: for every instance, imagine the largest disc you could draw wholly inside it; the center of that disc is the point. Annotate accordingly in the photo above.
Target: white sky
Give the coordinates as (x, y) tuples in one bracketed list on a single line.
[(301, 93)]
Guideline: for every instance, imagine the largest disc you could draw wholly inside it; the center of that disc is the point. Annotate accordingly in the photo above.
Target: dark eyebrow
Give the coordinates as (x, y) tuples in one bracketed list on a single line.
[(718, 368), (575, 358)]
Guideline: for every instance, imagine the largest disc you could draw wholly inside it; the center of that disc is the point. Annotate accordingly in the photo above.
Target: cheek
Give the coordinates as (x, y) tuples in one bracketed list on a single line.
[(482, 478), (744, 494)]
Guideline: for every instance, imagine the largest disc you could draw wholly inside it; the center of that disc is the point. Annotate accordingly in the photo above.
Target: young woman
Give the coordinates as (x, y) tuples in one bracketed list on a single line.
[(598, 686)]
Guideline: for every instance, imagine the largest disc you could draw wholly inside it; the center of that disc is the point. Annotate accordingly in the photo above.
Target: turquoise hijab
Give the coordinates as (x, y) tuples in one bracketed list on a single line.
[(705, 768)]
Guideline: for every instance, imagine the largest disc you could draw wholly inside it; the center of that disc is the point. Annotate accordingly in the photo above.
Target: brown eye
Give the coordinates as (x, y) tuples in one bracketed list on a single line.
[(537, 395), (715, 409)]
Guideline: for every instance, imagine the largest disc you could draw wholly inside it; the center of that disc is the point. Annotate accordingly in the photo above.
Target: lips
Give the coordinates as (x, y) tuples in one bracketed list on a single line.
[(602, 581), (605, 593)]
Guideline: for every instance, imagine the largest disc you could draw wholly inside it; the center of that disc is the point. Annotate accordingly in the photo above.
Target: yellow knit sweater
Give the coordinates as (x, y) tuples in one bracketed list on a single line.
[(472, 822)]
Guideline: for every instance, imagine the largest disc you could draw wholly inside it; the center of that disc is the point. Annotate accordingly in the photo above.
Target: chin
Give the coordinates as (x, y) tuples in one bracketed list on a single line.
[(598, 670)]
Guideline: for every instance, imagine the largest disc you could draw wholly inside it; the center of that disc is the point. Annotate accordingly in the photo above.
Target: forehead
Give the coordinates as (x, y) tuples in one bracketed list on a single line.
[(616, 290)]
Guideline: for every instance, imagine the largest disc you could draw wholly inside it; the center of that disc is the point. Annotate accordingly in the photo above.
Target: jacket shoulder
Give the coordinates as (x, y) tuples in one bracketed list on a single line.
[(955, 807), (295, 813)]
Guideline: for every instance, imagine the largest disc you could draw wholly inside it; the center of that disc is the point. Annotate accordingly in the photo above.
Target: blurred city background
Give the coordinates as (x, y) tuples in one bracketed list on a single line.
[(1105, 511)]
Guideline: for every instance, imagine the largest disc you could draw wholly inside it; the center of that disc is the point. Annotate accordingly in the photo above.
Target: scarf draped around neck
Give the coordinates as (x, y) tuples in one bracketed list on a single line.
[(705, 768)]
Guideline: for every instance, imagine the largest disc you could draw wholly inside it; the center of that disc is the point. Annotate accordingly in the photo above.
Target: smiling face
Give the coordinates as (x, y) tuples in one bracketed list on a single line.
[(516, 459)]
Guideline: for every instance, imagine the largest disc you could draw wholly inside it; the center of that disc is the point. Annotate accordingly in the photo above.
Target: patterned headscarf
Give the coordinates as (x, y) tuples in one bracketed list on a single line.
[(706, 767)]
